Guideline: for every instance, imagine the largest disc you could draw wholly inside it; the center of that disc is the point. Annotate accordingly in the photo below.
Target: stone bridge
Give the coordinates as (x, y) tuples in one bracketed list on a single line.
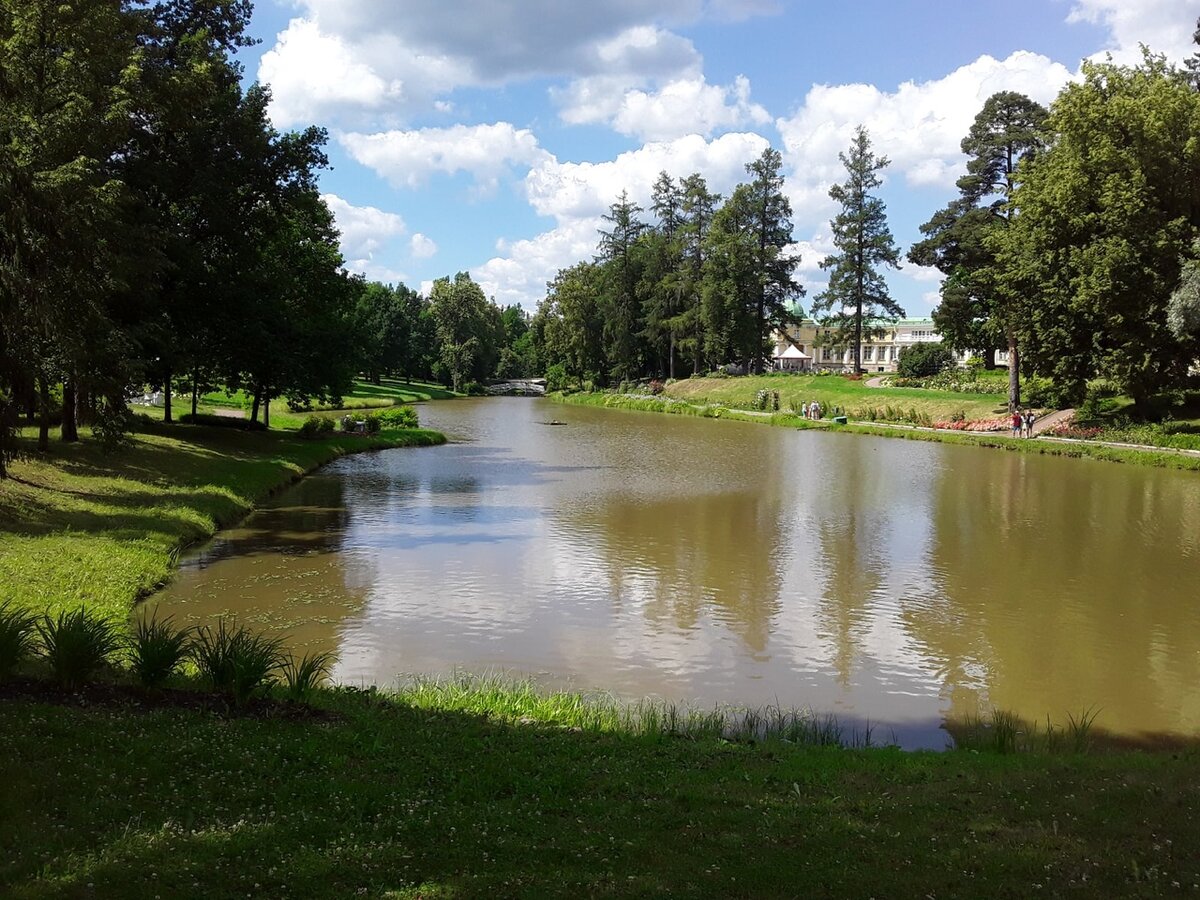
[(518, 387)]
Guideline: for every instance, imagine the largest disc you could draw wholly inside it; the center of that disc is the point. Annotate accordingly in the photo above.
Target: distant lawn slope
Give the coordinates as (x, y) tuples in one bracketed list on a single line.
[(82, 526), (835, 390), (388, 392)]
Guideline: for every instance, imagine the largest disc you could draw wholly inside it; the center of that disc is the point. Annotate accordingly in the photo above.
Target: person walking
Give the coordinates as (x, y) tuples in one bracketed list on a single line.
[(1030, 418), (1017, 422)]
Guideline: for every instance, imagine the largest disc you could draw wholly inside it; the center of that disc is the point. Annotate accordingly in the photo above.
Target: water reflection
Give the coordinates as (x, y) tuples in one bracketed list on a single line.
[(722, 562)]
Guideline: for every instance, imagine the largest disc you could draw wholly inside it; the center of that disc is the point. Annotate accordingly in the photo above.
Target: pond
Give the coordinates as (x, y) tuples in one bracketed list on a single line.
[(901, 582)]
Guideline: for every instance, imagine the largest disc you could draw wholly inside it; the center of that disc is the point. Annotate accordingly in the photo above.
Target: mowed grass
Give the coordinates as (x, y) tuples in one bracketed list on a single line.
[(386, 798), (81, 526), (835, 390), (364, 395)]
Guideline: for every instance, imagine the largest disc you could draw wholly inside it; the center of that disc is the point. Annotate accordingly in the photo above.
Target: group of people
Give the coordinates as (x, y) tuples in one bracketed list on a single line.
[(811, 410), (1022, 423)]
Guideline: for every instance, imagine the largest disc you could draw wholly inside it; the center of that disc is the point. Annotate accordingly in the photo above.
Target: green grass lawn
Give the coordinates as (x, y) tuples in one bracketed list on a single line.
[(364, 395), (393, 799), (835, 390), (81, 526)]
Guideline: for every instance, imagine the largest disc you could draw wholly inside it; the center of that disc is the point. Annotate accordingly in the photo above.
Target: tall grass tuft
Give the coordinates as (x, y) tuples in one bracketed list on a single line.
[(236, 662), (302, 676), (157, 649), (1079, 729), (16, 637), (77, 644)]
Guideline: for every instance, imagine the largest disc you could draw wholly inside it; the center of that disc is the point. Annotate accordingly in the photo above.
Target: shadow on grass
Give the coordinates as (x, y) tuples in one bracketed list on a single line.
[(423, 802)]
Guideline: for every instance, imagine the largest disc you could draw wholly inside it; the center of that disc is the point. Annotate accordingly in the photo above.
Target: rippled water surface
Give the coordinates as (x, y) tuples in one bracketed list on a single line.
[(881, 579)]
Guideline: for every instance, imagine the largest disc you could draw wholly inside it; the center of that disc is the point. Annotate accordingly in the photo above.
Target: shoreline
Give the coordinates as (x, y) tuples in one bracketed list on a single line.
[(1135, 454), (106, 531)]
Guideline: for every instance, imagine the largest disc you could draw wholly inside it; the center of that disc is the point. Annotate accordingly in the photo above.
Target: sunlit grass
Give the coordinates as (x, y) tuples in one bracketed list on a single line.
[(478, 787), (834, 391), (80, 526)]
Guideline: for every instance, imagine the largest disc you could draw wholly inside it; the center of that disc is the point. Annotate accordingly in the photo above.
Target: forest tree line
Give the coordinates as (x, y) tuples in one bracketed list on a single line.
[(1071, 244), (156, 229)]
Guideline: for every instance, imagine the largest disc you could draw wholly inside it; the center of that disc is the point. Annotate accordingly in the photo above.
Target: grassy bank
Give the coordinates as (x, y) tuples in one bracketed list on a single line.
[(1000, 441), (507, 794), (78, 525), (834, 390), (363, 396)]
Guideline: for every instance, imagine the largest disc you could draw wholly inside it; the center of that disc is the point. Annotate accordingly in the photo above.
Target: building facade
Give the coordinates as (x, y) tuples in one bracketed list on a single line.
[(880, 353)]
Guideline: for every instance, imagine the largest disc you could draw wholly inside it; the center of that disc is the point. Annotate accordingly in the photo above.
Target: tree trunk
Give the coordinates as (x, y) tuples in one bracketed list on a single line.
[(195, 393), (989, 359), (858, 337), (375, 378), (4, 433), (671, 368), (70, 422), (254, 405), (167, 398), (266, 409), (1014, 373), (44, 409)]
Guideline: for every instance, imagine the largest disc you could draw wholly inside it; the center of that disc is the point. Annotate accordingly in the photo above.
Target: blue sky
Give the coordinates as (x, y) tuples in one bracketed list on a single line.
[(489, 136)]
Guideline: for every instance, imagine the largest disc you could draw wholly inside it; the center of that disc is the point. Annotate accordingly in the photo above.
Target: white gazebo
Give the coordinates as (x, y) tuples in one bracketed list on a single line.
[(793, 359)]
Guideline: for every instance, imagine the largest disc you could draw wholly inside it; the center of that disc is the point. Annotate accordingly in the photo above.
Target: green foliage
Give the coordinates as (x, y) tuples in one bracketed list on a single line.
[(857, 298), (399, 417), (311, 427), (556, 378), (16, 636), (157, 649), (77, 644), (304, 675), (924, 359), (235, 661), (1107, 215)]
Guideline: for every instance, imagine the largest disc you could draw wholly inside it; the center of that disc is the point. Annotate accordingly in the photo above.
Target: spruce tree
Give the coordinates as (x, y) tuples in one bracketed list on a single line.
[(857, 299)]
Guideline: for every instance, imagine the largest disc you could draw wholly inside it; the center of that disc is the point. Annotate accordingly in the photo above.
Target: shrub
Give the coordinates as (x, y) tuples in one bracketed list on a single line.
[(556, 377), (399, 417), (16, 637), (655, 387), (77, 644), (221, 422), (927, 358), (373, 424), (236, 662), (302, 676), (326, 426), (311, 427), (474, 389), (156, 650)]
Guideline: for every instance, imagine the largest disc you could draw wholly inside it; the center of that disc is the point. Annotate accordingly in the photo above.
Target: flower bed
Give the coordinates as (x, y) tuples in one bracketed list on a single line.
[(978, 425), (1071, 430)]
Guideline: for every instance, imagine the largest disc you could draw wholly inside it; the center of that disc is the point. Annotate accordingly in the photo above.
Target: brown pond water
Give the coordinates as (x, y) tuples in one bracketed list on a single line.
[(719, 562)]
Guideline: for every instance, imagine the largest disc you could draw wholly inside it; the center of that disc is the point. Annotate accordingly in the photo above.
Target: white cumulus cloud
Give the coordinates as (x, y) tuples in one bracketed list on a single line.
[(366, 233), (919, 126), (1165, 26), (408, 158), (422, 247)]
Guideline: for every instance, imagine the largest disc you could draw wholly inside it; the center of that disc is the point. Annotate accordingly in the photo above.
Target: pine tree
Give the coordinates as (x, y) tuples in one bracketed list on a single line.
[(770, 224), (857, 298)]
